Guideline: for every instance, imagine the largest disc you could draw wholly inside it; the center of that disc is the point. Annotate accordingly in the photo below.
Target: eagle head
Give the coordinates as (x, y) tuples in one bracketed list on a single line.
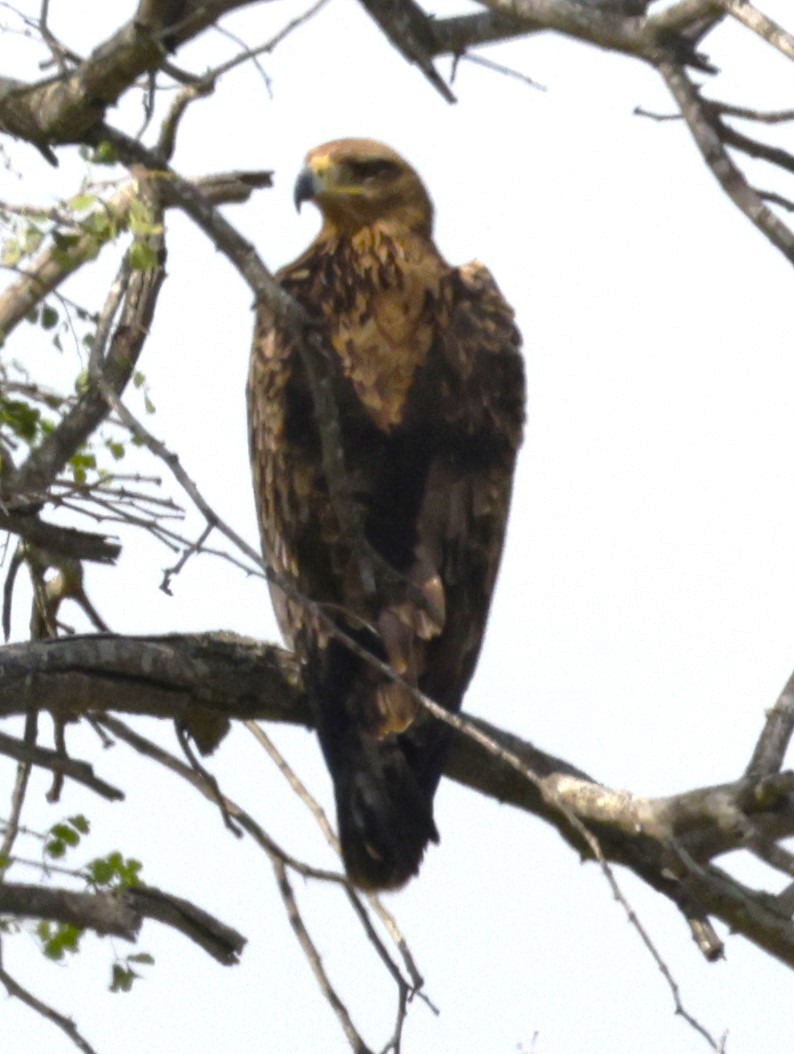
[(358, 182)]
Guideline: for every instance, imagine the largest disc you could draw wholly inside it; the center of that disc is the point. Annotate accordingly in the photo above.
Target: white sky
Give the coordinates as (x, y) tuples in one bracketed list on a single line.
[(643, 619)]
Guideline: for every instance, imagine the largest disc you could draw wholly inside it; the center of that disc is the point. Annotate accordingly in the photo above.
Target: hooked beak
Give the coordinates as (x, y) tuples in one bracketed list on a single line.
[(307, 186)]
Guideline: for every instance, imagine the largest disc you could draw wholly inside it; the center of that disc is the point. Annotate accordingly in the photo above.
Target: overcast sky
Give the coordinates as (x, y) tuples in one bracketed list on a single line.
[(643, 618)]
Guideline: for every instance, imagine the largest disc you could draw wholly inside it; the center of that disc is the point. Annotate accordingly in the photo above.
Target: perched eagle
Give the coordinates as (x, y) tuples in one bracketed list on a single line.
[(429, 389)]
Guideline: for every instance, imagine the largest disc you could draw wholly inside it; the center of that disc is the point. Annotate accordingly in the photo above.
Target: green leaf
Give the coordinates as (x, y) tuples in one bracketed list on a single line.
[(142, 257), (66, 833), (141, 957), (80, 823), (117, 450), (122, 978), (49, 317), (22, 418), (82, 202), (105, 154), (114, 871), (55, 943), (100, 872)]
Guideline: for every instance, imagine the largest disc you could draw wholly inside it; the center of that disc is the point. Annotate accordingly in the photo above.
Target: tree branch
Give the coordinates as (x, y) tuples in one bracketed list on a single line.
[(64, 108), (121, 913), (702, 123), (666, 841)]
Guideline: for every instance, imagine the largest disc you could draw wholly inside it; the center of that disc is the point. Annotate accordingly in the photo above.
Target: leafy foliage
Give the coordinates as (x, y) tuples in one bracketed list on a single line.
[(114, 871), (65, 835), (123, 975), (58, 938)]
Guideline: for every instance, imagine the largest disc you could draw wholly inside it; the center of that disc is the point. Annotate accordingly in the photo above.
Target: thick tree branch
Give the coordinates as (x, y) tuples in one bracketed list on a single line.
[(666, 841), (122, 913)]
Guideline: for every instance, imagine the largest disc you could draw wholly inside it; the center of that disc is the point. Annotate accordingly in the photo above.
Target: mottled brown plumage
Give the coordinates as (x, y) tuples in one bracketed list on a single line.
[(429, 386)]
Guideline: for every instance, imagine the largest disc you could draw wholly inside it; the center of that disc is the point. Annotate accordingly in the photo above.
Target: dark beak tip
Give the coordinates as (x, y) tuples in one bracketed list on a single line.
[(305, 188)]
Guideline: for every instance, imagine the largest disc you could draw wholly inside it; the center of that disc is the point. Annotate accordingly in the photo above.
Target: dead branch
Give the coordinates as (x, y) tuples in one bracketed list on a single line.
[(704, 128), (122, 913)]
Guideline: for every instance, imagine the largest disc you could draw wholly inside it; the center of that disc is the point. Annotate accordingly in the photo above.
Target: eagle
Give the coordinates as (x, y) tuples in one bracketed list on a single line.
[(423, 361)]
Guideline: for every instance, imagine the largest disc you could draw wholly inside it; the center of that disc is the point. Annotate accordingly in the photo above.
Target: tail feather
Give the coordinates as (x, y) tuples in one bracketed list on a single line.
[(383, 784), (385, 818)]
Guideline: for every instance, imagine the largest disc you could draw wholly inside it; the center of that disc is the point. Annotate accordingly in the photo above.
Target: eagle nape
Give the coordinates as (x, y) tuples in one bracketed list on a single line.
[(426, 370)]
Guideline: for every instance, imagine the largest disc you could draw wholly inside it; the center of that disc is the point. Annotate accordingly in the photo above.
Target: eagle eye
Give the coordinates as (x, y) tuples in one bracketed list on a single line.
[(375, 169)]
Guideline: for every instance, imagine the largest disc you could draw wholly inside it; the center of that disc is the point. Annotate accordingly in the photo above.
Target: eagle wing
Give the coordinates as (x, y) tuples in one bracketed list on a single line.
[(429, 386)]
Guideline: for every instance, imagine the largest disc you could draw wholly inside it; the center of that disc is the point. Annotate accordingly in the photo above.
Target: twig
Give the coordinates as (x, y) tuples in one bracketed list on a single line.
[(775, 155), (777, 199), (65, 1024), (151, 750), (774, 740), (496, 67), (18, 794), (707, 137), (190, 550), (357, 1044), (41, 757), (249, 54), (160, 450), (209, 780), (406, 989), (762, 116)]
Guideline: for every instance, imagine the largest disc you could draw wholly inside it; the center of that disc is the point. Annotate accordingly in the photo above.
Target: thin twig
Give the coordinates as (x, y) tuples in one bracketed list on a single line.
[(65, 1024), (24, 769), (310, 951), (701, 122), (41, 757), (151, 750), (770, 750)]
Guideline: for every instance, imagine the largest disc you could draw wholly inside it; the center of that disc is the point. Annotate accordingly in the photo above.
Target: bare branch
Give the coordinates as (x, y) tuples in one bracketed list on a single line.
[(759, 23), (455, 35), (701, 122), (178, 677), (774, 740), (79, 771), (408, 28), (122, 912), (65, 108), (357, 1044), (68, 541), (15, 989)]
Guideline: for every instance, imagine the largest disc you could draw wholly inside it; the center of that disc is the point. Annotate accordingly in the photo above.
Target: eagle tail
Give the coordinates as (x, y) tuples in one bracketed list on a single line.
[(385, 817), (383, 784)]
